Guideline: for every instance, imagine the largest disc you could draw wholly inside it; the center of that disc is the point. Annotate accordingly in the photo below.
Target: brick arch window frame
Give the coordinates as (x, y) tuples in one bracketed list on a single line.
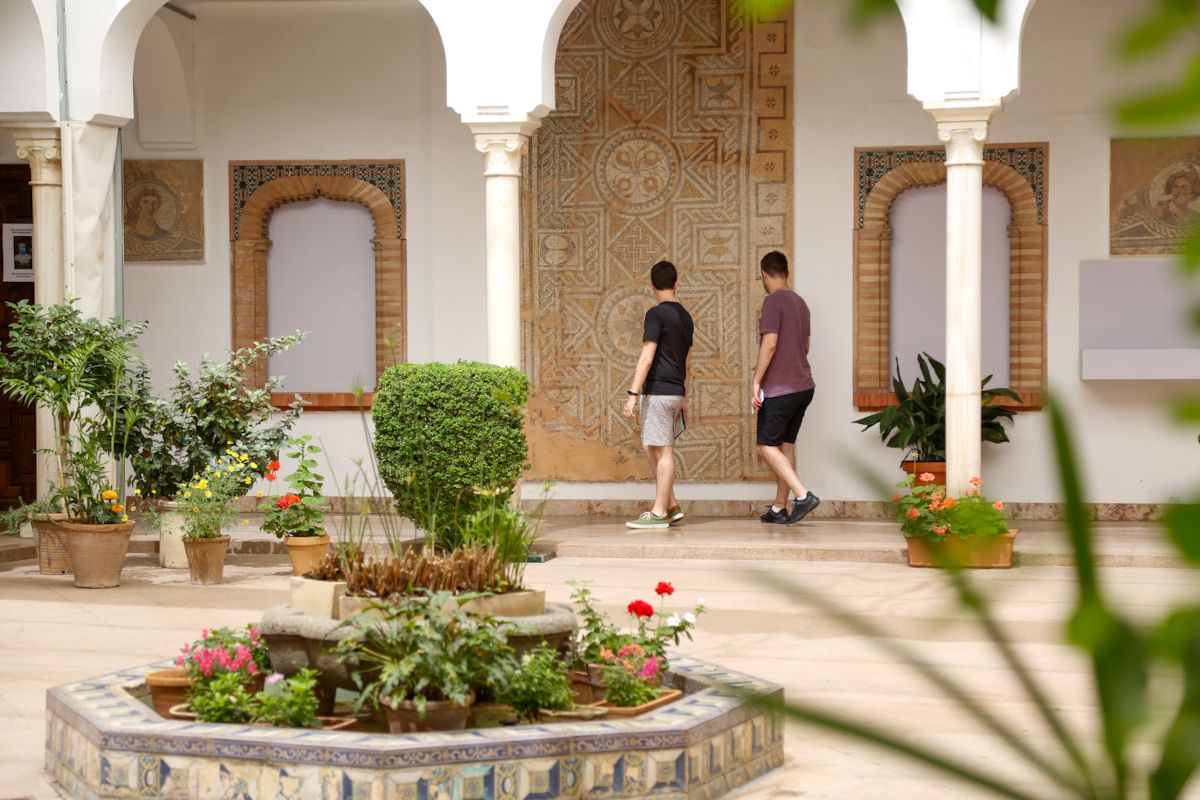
[(1019, 172), (257, 189)]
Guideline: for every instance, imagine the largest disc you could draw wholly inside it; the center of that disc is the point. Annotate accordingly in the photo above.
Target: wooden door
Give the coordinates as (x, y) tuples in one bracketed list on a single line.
[(18, 466)]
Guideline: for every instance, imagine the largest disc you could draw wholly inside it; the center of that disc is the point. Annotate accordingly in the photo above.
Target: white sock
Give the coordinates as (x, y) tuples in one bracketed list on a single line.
[(776, 508)]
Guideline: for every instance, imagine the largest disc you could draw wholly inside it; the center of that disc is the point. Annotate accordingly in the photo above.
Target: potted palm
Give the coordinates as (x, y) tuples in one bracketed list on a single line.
[(81, 370), (296, 516), (917, 422), (180, 434), (422, 660)]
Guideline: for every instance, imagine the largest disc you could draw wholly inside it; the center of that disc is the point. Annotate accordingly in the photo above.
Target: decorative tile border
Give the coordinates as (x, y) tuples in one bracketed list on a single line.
[(103, 741)]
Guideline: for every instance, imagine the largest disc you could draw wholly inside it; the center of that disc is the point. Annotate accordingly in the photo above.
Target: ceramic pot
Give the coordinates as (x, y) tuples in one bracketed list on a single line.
[(306, 552), (983, 552), (206, 558), (918, 468), (664, 696), (51, 544), (440, 715), (97, 552), (317, 598), (171, 552), (169, 689)]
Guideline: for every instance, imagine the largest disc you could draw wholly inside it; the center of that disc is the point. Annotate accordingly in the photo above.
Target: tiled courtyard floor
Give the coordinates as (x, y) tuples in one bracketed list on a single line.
[(53, 633)]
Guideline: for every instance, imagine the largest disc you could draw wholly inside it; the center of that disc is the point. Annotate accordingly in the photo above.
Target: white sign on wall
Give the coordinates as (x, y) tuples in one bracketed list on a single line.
[(17, 242)]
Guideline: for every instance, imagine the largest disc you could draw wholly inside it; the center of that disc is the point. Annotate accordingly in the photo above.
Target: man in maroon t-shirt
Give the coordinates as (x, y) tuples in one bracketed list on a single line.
[(783, 387)]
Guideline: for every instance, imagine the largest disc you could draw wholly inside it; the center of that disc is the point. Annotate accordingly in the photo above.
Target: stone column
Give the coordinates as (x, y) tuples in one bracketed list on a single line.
[(964, 130), (41, 146), (502, 146)]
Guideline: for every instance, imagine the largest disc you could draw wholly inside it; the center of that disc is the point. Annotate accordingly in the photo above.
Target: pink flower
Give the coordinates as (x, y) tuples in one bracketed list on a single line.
[(977, 481), (928, 477), (940, 530), (650, 668), (606, 654), (274, 678), (998, 505)]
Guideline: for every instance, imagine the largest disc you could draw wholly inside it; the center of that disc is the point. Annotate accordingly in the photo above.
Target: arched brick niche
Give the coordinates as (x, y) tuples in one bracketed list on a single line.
[(258, 188), (1019, 171)]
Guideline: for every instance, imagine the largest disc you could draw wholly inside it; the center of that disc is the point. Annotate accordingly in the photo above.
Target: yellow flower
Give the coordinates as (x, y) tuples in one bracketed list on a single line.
[(154, 491), (260, 494), (249, 480), (137, 492), (203, 484), (243, 457), (228, 442), (253, 465), (108, 494), (232, 467), (245, 522), (195, 510), (207, 493), (186, 495), (124, 518)]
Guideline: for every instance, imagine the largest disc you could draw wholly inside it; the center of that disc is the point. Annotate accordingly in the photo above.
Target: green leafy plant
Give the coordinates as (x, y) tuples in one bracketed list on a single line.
[(926, 512), (442, 431), (224, 650), (541, 682), (82, 370), (632, 676), (207, 500), (288, 702), (178, 435), (14, 519), (917, 422), (650, 629), (298, 513), (596, 632), (422, 649), (508, 530), (224, 699)]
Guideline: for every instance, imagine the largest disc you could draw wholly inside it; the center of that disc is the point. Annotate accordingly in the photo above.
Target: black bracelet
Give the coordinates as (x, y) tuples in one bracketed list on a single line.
[(635, 394)]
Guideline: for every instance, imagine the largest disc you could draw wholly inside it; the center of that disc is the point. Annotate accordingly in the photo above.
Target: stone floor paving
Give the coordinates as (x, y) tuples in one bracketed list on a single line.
[(54, 633)]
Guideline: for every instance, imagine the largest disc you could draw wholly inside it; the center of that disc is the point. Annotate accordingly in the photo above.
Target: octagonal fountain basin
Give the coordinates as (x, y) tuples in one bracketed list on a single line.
[(104, 741)]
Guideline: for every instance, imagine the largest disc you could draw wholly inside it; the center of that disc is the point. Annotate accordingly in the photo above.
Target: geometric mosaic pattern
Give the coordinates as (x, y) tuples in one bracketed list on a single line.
[(104, 741), (671, 139)]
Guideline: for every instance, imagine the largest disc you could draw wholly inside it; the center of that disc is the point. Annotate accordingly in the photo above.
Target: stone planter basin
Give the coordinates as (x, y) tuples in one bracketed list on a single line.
[(296, 640)]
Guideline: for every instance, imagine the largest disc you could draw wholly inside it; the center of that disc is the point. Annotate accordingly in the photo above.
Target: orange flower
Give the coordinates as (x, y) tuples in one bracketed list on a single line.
[(270, 476), (950, 501), (108, 494), (940, 530), (912, 513), (998, 505), (977, 481), (117, 508), (926, 476), (895, 497), (972, 492)]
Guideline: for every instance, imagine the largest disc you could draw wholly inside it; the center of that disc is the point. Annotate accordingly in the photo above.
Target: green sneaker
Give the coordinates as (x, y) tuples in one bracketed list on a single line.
[(648, 520), (674, 514)]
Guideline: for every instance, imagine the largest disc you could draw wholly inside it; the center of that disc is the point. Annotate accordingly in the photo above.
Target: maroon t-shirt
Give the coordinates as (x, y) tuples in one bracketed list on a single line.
[(785, 313)]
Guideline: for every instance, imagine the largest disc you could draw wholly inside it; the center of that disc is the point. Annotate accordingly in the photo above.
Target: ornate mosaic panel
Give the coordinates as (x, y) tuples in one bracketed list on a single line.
[(672, 139), (1029, 161)]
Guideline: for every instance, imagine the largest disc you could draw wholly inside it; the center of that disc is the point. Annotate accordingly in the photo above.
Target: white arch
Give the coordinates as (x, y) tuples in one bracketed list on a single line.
[(103, 37), (164, 84), (500, 63), (957, 56), (28, 67)]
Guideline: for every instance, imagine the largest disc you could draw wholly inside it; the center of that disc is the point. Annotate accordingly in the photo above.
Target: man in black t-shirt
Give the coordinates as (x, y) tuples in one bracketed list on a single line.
[(660, 380)]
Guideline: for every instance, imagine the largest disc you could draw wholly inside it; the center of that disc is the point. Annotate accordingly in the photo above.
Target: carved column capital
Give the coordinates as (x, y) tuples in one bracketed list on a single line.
[(964, 130), (501, 153), (41, 146)]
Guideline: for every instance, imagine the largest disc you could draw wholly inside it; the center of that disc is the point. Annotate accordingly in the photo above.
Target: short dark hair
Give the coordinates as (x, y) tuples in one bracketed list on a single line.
[(663, 276), (774, 264)]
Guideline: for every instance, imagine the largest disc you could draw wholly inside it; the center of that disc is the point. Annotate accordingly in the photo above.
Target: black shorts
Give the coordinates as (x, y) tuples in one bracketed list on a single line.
[(779, 418)]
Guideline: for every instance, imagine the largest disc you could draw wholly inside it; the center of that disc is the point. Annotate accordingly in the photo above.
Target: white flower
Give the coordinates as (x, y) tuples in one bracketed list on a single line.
[(690, 617), (701, 602), (673, 621)]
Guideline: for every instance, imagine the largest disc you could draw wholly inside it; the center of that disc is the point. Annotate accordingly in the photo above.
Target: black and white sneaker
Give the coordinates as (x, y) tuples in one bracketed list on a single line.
[(777, 517), (802, 508)]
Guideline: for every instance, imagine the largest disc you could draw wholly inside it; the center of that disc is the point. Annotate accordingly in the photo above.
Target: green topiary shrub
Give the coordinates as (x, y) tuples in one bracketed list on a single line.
[(443, 433)]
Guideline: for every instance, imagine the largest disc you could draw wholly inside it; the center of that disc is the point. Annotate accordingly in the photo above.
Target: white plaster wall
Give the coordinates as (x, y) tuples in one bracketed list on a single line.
[(851, 92), (325, 80)]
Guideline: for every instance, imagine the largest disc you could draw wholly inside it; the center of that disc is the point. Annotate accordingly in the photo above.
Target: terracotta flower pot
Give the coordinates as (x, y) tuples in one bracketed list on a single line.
[(97, 552), (51, 544), (306, 552), (440, 715), (168, 689), (982, 552), (206, 558), (918, 468), (664, 696)]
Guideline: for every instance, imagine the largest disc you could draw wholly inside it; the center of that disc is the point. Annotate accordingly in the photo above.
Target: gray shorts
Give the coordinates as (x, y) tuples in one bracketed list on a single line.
[(658, 418)]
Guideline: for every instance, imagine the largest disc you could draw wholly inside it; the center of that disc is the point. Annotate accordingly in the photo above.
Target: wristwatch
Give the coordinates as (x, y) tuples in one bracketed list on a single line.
[(634, 394)]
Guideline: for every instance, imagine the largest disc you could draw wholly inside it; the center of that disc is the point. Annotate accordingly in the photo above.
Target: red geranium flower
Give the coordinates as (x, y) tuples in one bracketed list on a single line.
[(287, 500), (640, 608), (664, 588), (273, 466), (270, 476)]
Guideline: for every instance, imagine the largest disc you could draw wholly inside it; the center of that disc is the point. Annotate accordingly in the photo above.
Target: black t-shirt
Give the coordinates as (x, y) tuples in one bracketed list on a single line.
[(670, 325)]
